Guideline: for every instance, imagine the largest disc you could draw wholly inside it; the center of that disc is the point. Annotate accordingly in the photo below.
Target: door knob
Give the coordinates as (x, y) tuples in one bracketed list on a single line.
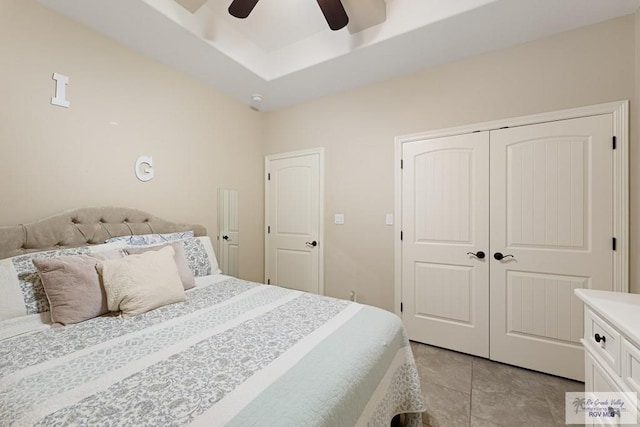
[(499, 256), (225, 237), (313, 244), (478, 254)]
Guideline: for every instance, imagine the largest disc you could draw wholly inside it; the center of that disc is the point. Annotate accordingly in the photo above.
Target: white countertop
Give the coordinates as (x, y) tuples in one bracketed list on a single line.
[(622, 310)]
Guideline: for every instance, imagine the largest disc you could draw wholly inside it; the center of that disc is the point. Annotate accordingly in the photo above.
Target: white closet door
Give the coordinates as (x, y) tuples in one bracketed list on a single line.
[(445, 208), (552, 219)]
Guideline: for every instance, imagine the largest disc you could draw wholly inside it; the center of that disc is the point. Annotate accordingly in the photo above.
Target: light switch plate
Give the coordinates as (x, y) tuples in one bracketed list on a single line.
[(338, 219), (389, 219)]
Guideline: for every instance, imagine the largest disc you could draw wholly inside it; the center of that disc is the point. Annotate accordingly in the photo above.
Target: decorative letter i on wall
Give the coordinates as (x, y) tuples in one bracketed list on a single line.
[(61, 91)]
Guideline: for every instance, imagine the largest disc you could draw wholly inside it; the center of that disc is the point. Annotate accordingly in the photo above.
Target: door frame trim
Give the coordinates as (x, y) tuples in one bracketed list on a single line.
[(620, 113), (267, 160)]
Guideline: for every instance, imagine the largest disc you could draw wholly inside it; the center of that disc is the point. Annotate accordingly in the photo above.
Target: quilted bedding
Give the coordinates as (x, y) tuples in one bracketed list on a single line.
[(235, 353)]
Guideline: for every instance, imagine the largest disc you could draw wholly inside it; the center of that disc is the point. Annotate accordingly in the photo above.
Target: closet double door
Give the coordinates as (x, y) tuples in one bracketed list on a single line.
[(499, 228)]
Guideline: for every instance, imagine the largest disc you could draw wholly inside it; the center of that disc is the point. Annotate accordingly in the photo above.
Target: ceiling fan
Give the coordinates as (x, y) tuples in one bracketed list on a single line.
[(332, 10)]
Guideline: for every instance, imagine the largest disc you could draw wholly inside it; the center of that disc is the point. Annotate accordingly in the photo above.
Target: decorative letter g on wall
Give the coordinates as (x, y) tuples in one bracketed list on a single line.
[(144, 168)]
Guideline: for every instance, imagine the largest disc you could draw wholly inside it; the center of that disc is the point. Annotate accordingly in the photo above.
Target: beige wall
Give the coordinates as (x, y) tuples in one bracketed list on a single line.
[(53, 159), (587, 66)]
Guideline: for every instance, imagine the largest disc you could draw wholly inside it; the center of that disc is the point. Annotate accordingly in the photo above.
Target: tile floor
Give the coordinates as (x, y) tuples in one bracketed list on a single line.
[(463, 390)]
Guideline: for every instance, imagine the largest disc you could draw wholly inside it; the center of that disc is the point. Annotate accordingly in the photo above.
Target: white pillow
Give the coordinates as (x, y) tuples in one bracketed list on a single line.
[(139, 283)]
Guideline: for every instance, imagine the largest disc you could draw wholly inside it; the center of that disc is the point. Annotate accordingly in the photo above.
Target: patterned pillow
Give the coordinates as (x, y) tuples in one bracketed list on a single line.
[(200, 256), (21, 290), (151, 239)]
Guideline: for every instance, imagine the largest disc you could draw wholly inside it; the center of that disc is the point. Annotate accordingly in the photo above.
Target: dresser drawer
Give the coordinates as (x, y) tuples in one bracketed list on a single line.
[(602, 339), (597, 380), (631, 366)]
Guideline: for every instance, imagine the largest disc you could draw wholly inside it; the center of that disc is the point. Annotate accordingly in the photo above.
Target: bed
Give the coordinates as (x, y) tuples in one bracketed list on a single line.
[(226, 352)]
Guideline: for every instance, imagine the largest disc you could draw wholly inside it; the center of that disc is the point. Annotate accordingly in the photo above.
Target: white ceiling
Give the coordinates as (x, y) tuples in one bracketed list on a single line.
[(285, 51)]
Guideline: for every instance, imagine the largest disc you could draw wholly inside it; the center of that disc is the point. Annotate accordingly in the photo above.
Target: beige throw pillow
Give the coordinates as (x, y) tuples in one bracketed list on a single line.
[(139, 283), (73, 287), (180, 257)]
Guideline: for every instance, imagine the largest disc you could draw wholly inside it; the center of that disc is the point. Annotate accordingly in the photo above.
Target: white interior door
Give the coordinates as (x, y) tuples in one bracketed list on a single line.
[(229, 232), (552, 217), (293, 240), (445, 220)]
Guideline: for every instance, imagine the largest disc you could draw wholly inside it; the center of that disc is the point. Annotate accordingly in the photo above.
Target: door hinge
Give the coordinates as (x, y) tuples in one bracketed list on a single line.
[(268, 229), (614, 243), (401, 164), (401, 235), (614, 142), (401, 308), (268, 281), (269, 176)]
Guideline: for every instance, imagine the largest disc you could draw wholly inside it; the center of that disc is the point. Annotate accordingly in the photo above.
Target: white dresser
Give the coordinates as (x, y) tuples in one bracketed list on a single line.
[(611, 341)]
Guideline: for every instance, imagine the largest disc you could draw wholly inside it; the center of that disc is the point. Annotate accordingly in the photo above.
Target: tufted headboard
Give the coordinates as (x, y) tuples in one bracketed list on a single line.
[(86, 226)]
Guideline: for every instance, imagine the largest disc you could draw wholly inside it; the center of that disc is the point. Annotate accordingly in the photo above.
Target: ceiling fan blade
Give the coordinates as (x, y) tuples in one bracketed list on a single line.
[(242, 8), (334, 13)]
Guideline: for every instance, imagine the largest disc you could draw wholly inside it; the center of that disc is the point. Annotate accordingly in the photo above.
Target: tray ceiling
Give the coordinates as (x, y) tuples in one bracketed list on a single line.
[(285, 51)]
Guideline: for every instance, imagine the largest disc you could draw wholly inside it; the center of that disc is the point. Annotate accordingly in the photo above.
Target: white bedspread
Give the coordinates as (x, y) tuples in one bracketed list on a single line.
[(235, 353)]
